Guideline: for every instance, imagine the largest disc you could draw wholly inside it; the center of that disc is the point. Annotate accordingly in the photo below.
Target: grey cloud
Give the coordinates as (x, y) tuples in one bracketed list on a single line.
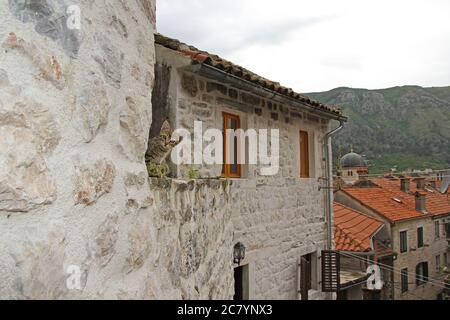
[(223, 27)]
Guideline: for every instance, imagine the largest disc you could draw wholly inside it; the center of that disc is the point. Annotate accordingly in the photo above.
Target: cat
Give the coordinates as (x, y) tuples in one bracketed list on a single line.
[(159, 148)]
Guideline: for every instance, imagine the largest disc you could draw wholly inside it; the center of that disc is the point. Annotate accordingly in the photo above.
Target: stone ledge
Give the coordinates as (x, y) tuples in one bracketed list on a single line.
[(183, 185)]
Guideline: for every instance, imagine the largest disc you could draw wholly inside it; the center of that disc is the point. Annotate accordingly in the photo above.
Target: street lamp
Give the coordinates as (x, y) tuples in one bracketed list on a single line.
[(238, 253)]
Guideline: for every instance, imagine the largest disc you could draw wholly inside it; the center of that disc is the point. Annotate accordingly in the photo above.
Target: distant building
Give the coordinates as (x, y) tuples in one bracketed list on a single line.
[(351, 167), (417, 219)]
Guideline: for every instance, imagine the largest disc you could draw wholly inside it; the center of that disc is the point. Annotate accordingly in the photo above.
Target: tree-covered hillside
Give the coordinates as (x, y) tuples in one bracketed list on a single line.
[(407, 127)]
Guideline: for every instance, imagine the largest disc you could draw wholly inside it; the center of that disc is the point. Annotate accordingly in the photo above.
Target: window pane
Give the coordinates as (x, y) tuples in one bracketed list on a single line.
[(420, 237), (403, 241)]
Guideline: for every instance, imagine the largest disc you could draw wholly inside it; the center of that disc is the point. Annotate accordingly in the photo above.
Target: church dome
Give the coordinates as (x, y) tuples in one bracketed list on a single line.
[(352, 160)]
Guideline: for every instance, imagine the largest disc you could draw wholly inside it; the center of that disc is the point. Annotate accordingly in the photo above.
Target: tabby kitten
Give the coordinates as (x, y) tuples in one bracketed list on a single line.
[(159, 147)]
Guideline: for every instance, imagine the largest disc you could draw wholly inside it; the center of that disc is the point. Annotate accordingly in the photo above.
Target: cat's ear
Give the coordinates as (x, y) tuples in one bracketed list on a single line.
[(166, 129)]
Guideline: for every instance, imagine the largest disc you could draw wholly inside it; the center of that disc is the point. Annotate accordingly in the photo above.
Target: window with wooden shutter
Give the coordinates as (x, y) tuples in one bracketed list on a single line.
[(231, 168), (304, 154), (403, 241), (420, 237)]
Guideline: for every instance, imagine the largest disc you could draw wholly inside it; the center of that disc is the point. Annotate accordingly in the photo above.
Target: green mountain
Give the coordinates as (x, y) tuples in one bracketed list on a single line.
[(405, 127)]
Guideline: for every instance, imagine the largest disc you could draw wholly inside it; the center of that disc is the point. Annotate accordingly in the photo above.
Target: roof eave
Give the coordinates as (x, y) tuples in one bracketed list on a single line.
[(211, 72)]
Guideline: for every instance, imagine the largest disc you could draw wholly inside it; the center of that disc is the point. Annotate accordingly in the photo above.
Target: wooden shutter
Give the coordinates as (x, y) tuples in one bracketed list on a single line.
[(230, 121), (330, 271), (304, 154)]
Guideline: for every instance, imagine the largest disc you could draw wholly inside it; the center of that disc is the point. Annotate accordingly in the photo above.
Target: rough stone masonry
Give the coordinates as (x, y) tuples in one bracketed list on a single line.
[(75, 113)]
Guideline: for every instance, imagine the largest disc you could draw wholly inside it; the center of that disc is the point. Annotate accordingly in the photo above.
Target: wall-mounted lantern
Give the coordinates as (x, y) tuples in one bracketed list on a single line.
[(238, 252)]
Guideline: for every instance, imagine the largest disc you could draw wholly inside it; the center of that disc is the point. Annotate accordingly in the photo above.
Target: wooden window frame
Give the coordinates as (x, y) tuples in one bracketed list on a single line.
[(420, 240), (406, 241), (226, 170), (304, 155)]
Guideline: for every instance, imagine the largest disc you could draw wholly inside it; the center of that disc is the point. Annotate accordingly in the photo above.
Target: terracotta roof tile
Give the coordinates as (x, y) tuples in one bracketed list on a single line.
[(203, 57), (392, 205), (353, 230), (436, 203)]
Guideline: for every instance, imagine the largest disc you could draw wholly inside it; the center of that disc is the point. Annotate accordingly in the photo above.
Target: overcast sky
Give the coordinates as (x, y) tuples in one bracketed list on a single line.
[(322, 44)]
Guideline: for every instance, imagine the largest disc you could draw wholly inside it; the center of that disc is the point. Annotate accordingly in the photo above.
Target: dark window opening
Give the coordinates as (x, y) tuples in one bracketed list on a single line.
[(241, 283), (421, 273), (403, 241), (420, 237), (404, 280), (305, 275)]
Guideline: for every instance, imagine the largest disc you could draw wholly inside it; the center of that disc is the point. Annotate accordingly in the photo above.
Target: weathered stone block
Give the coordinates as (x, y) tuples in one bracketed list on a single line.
[(46, 62), (49, 19), (106, 239), (91, 109), (233, 94), (110, 60), (133, 136), (207, 98), (140, 246), (28, 135), (216, 87), (189, 84), (250, 99), (92, 183)]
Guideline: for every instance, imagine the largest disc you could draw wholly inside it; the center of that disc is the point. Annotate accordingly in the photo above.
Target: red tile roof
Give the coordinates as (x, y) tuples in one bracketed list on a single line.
[(436, 203), (353, 230), (384, 202), (215, 61), (388, 200)]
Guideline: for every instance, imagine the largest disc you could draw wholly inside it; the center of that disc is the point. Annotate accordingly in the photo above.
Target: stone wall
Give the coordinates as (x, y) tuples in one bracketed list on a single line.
[(278, 218), (75, 112), (193, 246)]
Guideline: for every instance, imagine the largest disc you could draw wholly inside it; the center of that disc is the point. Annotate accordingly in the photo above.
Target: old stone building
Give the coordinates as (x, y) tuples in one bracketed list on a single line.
[(415, 215), (279, 218)]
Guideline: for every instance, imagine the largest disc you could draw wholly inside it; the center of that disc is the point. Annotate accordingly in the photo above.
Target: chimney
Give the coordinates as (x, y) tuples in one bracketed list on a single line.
[(405, 184), (421, 199), (420, 183)]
